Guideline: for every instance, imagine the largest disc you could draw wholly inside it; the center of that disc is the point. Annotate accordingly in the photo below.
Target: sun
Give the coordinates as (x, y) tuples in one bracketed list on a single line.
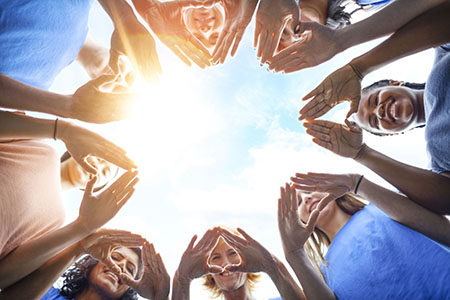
[(171, 117)]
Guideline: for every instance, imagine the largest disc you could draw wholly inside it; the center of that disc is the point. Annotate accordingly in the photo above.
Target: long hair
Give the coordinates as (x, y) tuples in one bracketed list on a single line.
[(390, 82), (76, 278), (318, 242), (210, 284)]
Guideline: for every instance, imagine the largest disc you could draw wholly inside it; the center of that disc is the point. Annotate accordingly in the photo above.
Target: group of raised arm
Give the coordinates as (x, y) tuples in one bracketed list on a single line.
[(337, 246)]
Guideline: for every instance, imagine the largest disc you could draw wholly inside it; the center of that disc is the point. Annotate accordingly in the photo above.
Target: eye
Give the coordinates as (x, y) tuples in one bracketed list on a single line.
[(376, 99), (376, 123), (115, 257), (214, 257), (130, 269), (233, 253)]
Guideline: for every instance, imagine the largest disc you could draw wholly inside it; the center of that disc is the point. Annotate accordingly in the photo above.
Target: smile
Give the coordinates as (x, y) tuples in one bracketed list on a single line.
[(313, 205)]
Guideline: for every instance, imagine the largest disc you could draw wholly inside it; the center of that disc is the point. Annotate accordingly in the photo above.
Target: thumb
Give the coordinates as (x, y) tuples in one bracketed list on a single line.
[(233, 268), (128, 280), (353, 126), (303, 26), (313, 219), (296, 24), (353, 108), (88, 168), (215, 269), (90, 185), (324, 202)]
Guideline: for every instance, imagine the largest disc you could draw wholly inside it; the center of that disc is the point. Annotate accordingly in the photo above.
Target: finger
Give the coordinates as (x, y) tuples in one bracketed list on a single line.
[(194, 55), (312, 220), (304, 188), (103, 79), (90, 185), (320, 109), (237, 40), (323, 144), (274, 39), (85, 165), (220, 42), (131, 282), (314, 92), (120, 195), (283, 57), (293, 201), (199, 48), (282, 201), (234, 268), (310, 106), (321, 136), (191, 243), (180, 55), (258, 30), (227, 46), (323, 123), (112, 265), (125, 199), (353, 109), (325, 201), (313, 126), (262, 42), (245, 235), (121, 182), (353, 126), (303, 64), (303, 180), (213, 269)]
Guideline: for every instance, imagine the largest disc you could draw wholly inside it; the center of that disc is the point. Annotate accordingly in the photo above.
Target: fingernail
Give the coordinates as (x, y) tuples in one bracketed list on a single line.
[(297, 29)]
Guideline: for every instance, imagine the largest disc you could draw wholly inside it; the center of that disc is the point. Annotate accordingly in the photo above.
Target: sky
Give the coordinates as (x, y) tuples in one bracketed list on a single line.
[(213, 146)]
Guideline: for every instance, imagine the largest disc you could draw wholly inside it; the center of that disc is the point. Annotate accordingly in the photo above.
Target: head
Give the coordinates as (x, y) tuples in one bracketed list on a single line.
[(205, 24), (222, 255), (389, 107), (318, 242), (74, 176), (89, 273), (333, 15)]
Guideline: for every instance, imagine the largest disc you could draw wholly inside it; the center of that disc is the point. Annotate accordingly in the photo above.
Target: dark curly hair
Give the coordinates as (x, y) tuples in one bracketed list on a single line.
[(390, 82), (76, 278)]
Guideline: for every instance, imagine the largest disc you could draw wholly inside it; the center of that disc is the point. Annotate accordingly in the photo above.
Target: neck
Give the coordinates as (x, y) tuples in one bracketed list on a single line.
[(91, 294), (316, 10), (420, 109), (335, 224), (242, 293)]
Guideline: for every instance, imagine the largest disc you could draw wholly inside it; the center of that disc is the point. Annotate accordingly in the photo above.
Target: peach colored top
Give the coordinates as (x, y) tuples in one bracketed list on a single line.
[(30, 192)]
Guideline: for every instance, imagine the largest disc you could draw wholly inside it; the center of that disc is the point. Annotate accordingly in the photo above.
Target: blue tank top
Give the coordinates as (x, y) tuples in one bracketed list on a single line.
[(38, 38), (375, 257)]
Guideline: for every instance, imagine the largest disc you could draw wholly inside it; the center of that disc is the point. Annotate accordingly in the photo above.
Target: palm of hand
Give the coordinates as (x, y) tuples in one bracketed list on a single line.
[(344, 141), (166, 20), (294, 234), (153, 283), (319, 46)]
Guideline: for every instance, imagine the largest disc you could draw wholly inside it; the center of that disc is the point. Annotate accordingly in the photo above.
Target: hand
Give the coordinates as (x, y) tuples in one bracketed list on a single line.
[(316, 46), (92, 104), (344, 140), (194, 262), (166, 21), (293, 232), (341, 85), (96, 210), (254, 257), (333, 184), (271, 18), (133, 40), (238, 14), (82, 143), (155, 281), (101, 243)]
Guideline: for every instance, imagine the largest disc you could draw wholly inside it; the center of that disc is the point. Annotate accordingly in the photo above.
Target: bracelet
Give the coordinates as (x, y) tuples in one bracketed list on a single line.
[(54, 129), (359, 182)]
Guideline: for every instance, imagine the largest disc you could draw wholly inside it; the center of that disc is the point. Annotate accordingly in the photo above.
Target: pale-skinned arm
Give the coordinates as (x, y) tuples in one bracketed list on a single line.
[(95, 210)]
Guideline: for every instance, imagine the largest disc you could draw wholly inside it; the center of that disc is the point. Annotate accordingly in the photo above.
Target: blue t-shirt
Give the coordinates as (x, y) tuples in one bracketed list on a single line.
[(375, 257), (53, 294), (38, 38), (437, 111)]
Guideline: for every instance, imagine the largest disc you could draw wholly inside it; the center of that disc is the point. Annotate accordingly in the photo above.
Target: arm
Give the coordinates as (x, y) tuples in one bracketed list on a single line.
[(93, 57), (294, 235), (424, 187), (430, 29), (396, 206), (194, 264), (35, 285), (15, 126), (255, 258), (95, 210)]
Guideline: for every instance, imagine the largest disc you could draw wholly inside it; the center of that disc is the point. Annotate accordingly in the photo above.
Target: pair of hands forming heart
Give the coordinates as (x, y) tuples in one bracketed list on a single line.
[(244, 254)]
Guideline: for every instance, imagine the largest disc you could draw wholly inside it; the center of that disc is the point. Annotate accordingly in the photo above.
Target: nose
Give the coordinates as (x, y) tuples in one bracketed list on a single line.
[(307, 199), (121, 264)]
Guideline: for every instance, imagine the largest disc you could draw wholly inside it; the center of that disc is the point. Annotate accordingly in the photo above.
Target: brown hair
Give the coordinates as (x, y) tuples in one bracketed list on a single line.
[(318, 242)]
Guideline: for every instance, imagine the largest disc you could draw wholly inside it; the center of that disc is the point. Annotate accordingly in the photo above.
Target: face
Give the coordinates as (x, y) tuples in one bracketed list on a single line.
[(77, 177), (105, 282), (307, 202), (205, 24), (224, 255), (389, 109)]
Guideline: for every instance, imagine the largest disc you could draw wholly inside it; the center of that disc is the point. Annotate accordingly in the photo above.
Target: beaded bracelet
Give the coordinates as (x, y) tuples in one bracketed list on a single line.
[(359, 182), (54, 129)]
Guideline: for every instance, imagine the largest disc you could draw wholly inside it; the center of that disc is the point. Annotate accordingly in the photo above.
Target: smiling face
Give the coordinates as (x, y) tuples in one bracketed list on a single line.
[(205, 24), (307, 202), (390, 109), (224, 255), (105, 282)]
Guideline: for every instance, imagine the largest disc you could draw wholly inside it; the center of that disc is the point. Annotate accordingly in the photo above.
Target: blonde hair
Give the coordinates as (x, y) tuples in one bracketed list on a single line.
[(318, 243), (211, 286)]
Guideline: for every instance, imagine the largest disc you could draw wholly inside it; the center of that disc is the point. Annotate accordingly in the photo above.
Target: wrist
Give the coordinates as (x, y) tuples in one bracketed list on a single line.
[(294, 255), (343, 38), (181, 280), (61, 129), (84, 228), (361, 153)]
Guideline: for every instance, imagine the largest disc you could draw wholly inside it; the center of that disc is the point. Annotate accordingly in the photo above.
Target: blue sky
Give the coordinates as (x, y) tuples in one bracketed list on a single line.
[(214, 146)]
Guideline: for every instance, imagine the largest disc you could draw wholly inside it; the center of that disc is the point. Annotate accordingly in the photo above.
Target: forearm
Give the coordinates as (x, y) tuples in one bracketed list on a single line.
[(35, 285), (426, 188), (313, 285), (384, 22), (14, 126), (180, 287), (430, 29), (33, 254), (93, 57), (407, 212), (17, 95), (286, 285)]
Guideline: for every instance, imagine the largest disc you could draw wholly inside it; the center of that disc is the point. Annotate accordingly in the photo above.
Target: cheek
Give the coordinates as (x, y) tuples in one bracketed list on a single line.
[(304, 215), (326, 214)]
